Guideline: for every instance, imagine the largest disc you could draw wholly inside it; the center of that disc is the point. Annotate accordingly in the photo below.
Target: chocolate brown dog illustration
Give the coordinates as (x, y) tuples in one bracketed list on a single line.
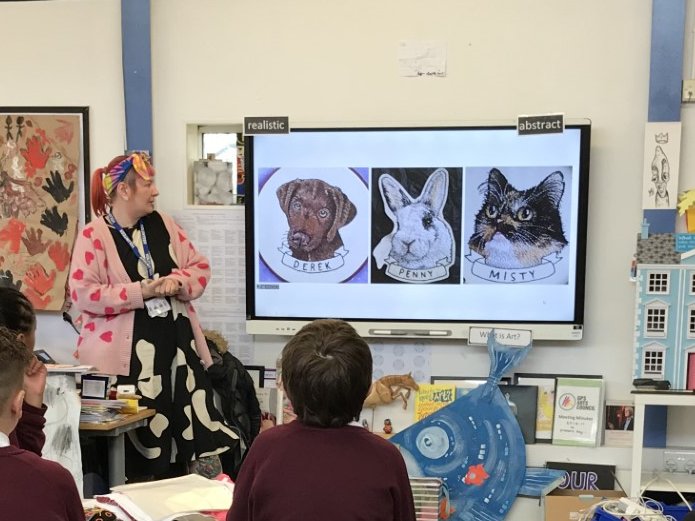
[(315, 212)]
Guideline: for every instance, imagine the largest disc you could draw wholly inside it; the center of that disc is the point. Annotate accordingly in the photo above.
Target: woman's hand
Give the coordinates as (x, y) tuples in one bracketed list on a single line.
[(161, 287), (168, 288)]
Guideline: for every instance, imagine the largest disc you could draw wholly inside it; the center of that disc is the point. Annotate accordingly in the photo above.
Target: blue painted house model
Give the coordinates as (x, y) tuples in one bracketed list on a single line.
[(665, 311)]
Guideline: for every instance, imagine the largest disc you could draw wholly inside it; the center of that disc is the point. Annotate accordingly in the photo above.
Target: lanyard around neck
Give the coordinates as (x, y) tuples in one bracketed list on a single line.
[(147, 258)]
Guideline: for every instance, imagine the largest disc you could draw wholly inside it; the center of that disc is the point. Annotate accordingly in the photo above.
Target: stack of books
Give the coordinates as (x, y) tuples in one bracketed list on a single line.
[(100, 411)]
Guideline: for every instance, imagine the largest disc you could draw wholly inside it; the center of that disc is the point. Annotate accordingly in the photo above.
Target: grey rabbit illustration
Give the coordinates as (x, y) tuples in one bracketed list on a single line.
[(421, 238)]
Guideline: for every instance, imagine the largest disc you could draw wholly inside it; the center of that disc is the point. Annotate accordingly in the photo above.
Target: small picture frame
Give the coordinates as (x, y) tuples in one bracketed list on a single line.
[(257, 373), (545, 411), (95, 386)]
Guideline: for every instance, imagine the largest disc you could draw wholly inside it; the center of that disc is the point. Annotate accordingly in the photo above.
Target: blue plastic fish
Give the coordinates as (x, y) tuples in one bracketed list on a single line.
[(475, 444)]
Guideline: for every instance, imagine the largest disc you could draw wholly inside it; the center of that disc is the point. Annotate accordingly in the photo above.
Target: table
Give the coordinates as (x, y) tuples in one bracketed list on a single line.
[(115, 431)]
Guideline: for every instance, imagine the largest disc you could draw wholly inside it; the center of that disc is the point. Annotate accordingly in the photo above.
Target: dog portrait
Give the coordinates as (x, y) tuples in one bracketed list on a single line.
[(315, 212)]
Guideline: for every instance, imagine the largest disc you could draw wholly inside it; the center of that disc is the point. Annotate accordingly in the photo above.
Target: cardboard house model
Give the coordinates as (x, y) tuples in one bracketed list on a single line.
[(664, 311)]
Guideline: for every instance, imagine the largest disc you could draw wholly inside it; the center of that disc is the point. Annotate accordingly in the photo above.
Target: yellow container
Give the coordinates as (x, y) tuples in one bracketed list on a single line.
[(690, 219)]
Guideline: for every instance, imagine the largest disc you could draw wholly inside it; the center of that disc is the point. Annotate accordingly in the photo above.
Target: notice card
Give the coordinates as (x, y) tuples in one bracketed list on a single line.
[(578, 411)]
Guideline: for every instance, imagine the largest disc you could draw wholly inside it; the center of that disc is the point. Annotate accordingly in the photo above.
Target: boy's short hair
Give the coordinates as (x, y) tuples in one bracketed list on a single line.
[(14, 359), (326, 373)]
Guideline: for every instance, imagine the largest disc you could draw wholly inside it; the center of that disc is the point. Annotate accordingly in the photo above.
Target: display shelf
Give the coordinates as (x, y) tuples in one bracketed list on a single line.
[(657, 480), (667, 482)]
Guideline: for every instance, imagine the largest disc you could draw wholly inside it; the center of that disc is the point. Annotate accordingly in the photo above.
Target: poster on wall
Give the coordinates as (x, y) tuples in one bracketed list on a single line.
[(44, 152), (662, 150)]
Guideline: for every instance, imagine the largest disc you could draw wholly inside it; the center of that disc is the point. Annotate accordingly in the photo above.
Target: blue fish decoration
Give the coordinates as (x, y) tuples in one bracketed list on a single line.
[(476, 446)]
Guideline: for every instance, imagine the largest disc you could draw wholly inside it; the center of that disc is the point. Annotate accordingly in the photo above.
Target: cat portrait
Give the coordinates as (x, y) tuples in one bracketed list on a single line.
[(517, 228)]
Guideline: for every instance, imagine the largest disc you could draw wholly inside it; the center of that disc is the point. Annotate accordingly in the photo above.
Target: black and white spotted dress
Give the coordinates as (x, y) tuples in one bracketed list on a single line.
[(166, 370)]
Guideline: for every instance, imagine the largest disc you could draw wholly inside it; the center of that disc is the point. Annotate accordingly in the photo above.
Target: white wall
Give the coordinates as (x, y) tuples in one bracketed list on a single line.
[(66, 53), (216, 61)]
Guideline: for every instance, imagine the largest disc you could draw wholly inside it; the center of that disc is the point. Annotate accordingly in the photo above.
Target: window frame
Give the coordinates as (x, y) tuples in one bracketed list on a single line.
[(656, 306), (657, 273), (660, 352)]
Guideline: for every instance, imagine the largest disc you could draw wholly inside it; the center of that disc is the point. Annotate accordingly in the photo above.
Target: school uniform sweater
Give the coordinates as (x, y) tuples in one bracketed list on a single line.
[(35, 488), (295, 472), (102, 290), (29, 433)]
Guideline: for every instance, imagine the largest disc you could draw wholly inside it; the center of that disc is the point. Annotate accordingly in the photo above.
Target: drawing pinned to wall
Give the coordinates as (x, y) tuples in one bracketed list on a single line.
[(662, 147), (422, 58), (43, 153)]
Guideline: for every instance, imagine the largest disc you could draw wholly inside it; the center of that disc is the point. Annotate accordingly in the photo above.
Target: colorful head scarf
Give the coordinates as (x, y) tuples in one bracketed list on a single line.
[(138, 161)]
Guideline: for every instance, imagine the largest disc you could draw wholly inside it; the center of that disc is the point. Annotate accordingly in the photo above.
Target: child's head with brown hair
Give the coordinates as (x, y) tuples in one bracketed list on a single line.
[(326, 373), (14, 360)]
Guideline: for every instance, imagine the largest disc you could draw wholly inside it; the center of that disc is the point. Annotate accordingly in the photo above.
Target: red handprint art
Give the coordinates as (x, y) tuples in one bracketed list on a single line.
[(58, 252), (38, 283), (36, 154), (65, 131), (38, 301), (12, 234)]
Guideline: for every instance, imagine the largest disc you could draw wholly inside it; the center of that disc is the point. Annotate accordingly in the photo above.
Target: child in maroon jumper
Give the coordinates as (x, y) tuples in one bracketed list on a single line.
[(30, 487), (17, 314)]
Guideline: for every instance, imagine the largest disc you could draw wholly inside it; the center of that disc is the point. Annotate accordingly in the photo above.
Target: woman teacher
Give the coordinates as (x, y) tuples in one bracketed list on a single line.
[(133, 277)]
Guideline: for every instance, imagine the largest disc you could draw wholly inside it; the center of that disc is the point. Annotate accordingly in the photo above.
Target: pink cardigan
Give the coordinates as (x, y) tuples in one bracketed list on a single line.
[(106, 297)]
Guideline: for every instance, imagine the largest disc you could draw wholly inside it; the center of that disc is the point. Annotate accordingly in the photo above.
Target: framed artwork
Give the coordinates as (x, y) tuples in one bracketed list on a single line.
[(257, 373), (545, 410), (44, 165), (619, 423)]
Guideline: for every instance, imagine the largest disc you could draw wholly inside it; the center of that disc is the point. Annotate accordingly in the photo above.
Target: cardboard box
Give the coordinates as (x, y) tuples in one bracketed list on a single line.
[(565, 505)]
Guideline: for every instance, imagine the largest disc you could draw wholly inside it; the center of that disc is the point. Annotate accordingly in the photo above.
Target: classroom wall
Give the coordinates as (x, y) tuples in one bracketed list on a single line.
[(66, 53), (216, 61)]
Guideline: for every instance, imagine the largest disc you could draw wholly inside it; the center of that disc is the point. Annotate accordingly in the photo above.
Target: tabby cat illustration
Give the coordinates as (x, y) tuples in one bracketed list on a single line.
[(517, 228)]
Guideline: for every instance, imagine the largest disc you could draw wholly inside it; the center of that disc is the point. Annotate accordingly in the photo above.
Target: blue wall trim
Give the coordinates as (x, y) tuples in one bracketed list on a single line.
[(666, 60), (137, 73)]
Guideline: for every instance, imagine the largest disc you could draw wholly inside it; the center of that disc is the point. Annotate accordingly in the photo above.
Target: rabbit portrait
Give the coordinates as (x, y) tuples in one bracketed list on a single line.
[(421, 239), (315, 212)]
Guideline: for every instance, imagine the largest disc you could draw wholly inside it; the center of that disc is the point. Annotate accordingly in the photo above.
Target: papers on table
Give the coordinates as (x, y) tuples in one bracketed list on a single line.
[(69, 368), (165, 499)]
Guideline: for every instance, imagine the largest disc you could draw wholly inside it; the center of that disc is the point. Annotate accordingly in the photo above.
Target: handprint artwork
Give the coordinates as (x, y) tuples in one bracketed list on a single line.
[(36, 154), (57, 189), (33, 243), (40, 155), (55, 221)]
